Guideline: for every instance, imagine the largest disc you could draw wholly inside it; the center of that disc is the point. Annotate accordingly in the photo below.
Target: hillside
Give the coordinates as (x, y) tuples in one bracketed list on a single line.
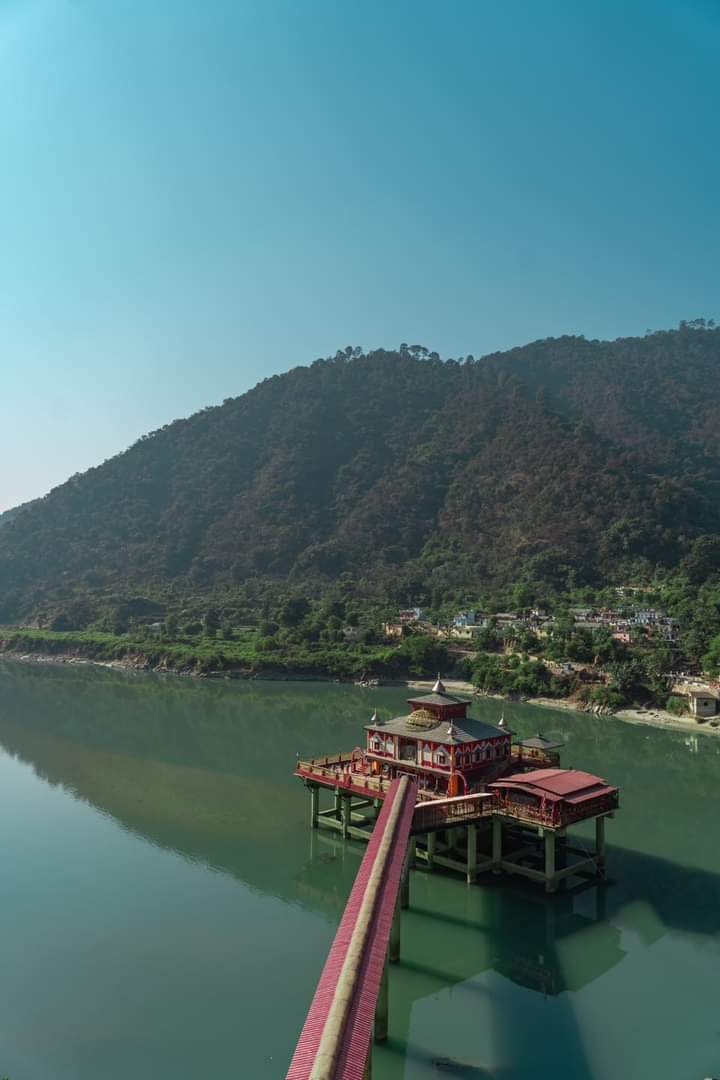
[(564, 462)]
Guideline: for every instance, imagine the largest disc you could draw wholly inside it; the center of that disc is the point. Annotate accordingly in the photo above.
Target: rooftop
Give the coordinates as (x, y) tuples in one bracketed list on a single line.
[(424, 725), (571, 785), (541, 742), (438, 699), (438, 696)]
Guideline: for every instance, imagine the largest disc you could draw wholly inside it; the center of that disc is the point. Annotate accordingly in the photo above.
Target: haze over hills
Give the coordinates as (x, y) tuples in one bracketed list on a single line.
[(564, 462)]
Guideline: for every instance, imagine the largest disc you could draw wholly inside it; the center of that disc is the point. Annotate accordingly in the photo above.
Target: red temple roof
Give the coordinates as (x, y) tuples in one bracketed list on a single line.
[(571, 785)]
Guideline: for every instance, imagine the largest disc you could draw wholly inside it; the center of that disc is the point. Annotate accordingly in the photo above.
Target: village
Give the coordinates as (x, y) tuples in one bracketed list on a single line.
[(692, 693)]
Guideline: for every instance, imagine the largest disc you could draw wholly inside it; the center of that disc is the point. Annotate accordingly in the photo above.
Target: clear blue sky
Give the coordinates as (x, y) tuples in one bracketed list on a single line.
[(195, 195)]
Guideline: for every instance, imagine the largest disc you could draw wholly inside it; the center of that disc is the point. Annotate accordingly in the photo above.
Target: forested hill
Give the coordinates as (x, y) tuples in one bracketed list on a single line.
[(564, 462)]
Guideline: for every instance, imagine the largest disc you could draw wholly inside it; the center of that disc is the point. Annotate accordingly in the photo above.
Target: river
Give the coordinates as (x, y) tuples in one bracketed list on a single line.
[(166, 910)]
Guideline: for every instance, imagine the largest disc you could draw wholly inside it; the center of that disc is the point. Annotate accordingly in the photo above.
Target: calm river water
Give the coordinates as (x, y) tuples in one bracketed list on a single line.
[(165, 910)]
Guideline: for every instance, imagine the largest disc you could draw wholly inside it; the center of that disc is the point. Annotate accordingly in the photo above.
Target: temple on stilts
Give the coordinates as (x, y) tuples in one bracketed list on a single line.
[(484, 801)]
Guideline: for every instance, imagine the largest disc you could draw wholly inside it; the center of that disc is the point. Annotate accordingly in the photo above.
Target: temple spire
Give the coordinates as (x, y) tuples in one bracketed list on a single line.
[(438, 688), (375, 719)]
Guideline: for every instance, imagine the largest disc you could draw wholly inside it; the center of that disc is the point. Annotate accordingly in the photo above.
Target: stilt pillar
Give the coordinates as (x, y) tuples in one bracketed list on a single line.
[(600, 841), (377, 804), (431, 838), (405, 880), (394, 946), (346, 812), (367, 1071), (497, 851), (381, 1008), (314, 805), (550, 882), (338, 803), (471, 854)]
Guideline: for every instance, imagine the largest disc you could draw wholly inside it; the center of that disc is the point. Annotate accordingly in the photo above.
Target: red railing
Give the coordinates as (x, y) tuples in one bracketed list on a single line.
[(449, 812), (335, 1040)]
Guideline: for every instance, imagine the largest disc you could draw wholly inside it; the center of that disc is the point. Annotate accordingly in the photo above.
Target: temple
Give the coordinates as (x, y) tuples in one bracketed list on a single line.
[(484, 801), (447, 751)]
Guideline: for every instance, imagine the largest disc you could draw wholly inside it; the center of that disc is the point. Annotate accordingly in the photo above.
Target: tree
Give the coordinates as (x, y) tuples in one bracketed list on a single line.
[(293, 610), (711, 659), (424, 655), (703, 560)]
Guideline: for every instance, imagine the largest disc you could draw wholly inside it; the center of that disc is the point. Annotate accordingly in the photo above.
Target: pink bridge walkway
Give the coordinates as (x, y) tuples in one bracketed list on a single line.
[(335, 1043)]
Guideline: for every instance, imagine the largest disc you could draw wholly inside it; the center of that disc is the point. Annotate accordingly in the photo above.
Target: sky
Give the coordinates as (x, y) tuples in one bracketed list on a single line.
[(194, 196)]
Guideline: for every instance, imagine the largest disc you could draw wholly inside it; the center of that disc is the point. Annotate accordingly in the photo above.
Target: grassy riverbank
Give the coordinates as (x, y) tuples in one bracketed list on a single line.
[(244, 654)]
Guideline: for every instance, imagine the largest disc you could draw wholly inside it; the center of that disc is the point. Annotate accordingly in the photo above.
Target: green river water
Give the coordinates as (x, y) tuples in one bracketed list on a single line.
[(165, 909)]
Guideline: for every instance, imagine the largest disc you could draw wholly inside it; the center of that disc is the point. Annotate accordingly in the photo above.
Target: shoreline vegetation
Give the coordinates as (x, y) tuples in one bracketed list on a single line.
[(104, 650)]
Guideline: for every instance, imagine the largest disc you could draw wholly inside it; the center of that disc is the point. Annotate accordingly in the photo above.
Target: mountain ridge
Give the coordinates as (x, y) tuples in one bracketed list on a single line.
[(562, 462)]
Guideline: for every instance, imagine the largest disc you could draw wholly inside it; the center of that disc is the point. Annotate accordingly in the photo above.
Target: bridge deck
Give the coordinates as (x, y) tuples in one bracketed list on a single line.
[(335, 1040)]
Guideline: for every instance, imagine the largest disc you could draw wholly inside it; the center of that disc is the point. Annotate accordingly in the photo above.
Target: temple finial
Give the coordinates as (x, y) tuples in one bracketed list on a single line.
[(375, 719), (438, 688)]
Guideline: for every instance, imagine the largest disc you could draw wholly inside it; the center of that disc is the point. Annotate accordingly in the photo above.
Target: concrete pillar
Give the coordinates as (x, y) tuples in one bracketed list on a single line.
[(346, 811), (471, 854), (550, 883), (405, 880), (496, 843), (394, 946), (600, 841), (338, 803), (314, 805), (377, 803), (430, 849), (381, 1009)]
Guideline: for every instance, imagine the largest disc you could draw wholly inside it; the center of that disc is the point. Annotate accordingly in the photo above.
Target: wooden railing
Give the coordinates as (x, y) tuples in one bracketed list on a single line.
[(449, 812), (526, 812), (556, 815), (337, 770)]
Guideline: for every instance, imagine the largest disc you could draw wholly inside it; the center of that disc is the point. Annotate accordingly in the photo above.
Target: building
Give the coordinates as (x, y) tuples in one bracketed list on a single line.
[(481, 804), (557, 797), (411, 615), (448, 751), (469, 618), (702, 699), (702, 703)]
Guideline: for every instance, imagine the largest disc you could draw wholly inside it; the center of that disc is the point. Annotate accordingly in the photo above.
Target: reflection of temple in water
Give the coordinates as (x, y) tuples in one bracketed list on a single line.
[(175, 764)]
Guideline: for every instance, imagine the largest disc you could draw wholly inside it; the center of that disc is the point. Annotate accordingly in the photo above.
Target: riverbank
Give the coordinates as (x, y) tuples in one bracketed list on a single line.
[(241, 657), (651, 717), (345, 671)]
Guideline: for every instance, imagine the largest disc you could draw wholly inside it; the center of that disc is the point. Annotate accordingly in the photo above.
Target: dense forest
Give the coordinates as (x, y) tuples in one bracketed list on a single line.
[(564, 464)]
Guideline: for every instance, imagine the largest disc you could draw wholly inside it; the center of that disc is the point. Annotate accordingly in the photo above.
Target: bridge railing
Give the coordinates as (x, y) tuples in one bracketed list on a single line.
[(449, 812), (335, 1040)]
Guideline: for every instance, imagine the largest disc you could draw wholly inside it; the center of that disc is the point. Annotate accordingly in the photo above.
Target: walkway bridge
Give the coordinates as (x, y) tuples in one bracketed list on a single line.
[(351, 1000)]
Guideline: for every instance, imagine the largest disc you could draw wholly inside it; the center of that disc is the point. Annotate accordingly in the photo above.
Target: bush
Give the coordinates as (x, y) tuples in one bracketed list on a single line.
[(607, 698), (423, 655)]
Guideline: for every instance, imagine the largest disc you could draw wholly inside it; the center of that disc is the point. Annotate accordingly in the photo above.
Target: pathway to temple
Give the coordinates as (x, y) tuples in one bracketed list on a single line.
[(350, 1005)]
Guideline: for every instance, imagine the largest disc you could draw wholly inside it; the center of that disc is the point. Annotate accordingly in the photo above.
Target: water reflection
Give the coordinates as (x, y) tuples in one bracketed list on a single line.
[(205, 770)]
